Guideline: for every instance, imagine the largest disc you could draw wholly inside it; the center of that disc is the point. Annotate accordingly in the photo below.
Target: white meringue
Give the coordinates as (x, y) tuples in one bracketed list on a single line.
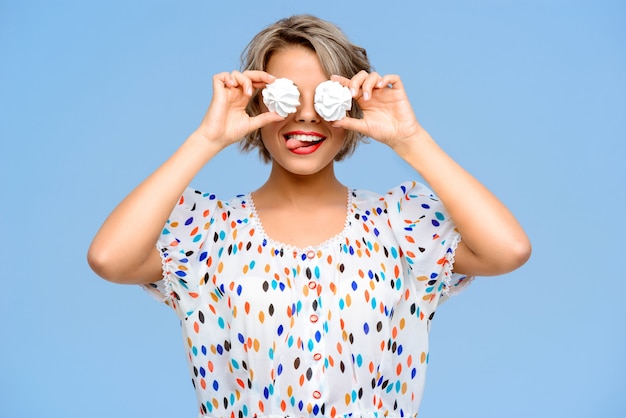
[(332, 100), (281, 97)]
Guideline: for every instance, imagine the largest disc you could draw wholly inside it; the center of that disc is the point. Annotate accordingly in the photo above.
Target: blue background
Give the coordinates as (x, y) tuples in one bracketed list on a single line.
[(529, 96)]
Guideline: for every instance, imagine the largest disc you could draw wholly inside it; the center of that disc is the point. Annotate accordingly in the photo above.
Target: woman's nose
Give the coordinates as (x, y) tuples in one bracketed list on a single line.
[(306, 111)]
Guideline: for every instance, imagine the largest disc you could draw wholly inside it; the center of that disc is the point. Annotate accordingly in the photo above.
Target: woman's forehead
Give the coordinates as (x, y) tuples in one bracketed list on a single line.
[(298, 64)]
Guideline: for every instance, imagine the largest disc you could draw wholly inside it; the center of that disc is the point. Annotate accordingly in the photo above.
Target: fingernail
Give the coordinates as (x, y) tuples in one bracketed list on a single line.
[(353, 91), (366, 96), (249, 91)]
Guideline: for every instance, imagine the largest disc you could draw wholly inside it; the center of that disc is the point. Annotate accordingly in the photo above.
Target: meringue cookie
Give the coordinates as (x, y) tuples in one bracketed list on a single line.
[(332, 100), (281, 97)]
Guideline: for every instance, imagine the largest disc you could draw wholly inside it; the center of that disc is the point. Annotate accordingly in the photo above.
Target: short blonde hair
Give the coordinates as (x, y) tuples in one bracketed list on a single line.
[(336, 54)]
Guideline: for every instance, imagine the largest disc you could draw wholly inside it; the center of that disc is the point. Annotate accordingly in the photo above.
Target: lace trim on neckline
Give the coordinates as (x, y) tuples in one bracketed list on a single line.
[(289, 247)]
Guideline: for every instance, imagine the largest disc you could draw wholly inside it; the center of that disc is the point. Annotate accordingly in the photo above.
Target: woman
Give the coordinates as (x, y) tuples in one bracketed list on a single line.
[(306, 297)]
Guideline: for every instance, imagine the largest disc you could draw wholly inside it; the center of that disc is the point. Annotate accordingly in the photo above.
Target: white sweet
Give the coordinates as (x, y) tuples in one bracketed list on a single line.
[(281, 97), (332, 100)]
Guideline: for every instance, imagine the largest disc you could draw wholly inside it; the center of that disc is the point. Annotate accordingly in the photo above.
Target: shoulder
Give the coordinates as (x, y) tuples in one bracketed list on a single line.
[(196, 213), (410, 210), (192, 200), (392, 198), (196, 201)]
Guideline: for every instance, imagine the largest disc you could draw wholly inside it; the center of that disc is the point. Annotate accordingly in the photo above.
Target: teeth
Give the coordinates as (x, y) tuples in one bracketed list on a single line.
[(305, 138)]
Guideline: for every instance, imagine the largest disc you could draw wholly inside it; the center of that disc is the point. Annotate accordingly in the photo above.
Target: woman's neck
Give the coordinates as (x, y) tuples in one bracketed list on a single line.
[(285, 189), (299, 210)]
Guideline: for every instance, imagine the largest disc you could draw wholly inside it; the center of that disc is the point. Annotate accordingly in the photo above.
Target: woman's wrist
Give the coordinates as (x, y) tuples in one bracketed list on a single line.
[(413, 143), (205, 143)]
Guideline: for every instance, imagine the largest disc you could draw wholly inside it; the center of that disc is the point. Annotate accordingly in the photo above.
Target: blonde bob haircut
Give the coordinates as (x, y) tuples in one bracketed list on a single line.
[(336, 54)]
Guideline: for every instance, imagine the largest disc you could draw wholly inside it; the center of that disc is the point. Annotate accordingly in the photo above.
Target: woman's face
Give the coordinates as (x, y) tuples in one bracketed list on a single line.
[(303, 143)]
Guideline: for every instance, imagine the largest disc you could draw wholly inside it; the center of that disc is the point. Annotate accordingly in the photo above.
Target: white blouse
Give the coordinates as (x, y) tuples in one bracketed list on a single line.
[(339, 329)]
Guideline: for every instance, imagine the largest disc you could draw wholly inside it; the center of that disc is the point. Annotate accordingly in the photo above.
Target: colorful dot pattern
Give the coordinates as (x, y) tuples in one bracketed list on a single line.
[(339, 329)]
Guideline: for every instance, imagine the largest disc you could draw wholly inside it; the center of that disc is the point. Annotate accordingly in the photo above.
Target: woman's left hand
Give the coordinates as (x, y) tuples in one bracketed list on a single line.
[(387, 113)]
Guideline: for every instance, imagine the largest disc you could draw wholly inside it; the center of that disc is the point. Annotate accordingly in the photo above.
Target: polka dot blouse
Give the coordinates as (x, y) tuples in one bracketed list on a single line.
[(339, 329)]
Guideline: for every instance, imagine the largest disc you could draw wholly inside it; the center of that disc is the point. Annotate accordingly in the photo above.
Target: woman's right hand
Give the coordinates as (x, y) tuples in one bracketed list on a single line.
[(226, 121), (123, 250)]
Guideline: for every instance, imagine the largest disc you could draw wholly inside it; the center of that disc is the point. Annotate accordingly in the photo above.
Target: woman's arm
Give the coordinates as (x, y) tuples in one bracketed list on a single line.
[(493, 242), (123, 250)]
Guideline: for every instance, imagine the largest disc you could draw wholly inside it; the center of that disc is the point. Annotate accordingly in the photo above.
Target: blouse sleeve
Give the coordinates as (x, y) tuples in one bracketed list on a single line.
[(182, 245), (428, 238)]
